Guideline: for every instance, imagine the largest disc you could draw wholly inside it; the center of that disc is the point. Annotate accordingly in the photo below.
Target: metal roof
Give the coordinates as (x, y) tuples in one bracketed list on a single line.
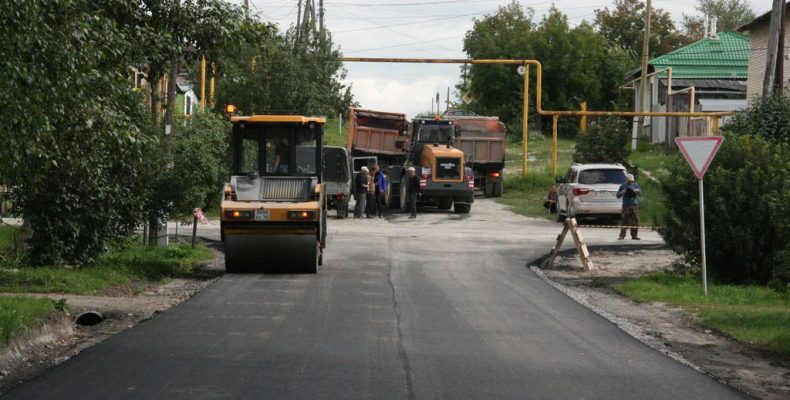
[(722, 104), (725, 57)]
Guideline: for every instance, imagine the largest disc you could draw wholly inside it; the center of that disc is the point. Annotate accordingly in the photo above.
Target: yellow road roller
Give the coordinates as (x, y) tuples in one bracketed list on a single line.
[(274, 205)]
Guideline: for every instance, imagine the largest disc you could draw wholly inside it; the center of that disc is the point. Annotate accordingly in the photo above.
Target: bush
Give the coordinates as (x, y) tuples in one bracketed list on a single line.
[(744, 213), (767, 116), (606, 142), (200, 150)]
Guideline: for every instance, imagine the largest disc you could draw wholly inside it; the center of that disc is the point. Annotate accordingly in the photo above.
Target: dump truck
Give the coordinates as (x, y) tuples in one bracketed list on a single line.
[(427, 144), (273, 210), (482, 139)]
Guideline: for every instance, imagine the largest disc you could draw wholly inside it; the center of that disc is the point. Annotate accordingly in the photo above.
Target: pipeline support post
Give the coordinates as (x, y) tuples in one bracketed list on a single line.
[(554, 119), (203, 83), (583, 119), (524, 127)]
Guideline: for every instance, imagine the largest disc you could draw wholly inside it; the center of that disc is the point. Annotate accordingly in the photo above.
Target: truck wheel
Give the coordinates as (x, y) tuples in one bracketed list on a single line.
[(497, 192), (393, 201), (462, 208), (445, 203), (488, 189)]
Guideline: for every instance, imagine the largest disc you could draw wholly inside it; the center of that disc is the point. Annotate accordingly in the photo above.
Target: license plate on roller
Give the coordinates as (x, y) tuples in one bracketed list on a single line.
[(261, 214)]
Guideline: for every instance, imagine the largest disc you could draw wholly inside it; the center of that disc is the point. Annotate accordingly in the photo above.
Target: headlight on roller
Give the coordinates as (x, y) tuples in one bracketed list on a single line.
[(301, 215), (236, 214)]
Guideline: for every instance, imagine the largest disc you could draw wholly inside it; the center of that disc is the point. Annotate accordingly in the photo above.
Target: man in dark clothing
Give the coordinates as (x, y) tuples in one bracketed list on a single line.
[(629, 191), (361, 192), (412, 188)]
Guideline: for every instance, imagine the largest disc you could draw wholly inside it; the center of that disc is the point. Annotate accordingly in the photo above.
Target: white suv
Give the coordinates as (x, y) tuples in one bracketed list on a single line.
[(590, 190)]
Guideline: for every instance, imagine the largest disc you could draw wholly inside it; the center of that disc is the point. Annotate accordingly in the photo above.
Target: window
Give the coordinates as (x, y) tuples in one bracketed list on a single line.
[(594, 176), (278, 154), (249, 155), (305, 152)]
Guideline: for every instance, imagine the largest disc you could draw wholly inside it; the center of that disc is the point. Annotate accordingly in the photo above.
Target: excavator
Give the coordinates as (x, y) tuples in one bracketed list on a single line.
[(273, 210)]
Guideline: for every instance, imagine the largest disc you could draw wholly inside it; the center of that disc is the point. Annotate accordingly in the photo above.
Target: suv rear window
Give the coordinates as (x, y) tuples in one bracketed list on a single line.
[(594, 176)]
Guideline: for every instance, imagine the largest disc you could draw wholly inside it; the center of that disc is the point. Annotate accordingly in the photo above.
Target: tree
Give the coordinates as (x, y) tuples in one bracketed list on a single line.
[(624, 25), (577, 65), (74, 136), (266, 72), (200, 166), (729, 14)]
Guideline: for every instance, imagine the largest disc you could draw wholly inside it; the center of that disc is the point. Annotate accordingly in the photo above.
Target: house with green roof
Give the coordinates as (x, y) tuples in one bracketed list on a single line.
[(707, 75)]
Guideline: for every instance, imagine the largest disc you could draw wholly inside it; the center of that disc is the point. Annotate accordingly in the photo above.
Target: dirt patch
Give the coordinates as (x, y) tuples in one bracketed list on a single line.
[(667, 329), (59, 338)]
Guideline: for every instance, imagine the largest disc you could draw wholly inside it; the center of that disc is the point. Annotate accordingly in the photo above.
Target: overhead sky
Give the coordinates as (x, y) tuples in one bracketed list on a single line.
[(423, 29)]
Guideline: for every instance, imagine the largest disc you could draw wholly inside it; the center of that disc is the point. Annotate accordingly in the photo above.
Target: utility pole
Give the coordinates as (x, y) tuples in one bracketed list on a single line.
[(298, 23), (775, 53), (640, 128), (321, 16), (447, 101), (247, 8)]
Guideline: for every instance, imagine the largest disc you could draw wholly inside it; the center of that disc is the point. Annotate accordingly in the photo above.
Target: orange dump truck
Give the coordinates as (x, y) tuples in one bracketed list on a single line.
[(482, 139), (426, 144)]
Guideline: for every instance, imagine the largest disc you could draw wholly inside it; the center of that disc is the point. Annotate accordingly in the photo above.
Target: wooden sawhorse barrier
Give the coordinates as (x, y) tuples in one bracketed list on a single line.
[(581, 247)]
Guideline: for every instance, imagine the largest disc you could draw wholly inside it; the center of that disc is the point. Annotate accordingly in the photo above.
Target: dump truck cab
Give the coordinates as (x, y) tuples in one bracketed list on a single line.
[(274, 204), (337, 177)]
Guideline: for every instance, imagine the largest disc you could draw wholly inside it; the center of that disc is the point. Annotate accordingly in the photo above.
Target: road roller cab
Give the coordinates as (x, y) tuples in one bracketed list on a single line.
[(273, 208)]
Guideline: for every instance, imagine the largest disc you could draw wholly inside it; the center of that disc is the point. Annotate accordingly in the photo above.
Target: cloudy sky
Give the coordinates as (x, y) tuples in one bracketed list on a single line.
[(422, 29)]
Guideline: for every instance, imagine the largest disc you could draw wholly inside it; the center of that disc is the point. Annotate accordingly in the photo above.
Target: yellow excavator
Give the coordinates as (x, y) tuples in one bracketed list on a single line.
[(274, 204)]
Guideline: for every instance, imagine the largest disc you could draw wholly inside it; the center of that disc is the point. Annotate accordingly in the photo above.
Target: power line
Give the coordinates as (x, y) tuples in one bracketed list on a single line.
[(409, 23)]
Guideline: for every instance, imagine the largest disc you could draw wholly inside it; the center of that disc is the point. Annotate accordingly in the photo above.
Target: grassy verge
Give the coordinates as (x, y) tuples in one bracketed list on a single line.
[(750, 314), (332, 135), (134, 264), (18, 313)]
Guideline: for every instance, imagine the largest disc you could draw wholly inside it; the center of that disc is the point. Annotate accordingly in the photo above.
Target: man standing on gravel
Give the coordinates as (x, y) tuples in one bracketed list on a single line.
[(629, 191)]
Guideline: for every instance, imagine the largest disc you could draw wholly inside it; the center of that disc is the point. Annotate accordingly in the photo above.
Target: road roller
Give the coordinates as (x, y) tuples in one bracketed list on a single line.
[(274, 204)]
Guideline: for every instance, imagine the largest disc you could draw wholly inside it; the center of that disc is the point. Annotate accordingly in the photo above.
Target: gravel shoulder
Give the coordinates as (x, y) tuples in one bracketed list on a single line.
[(667, 329), (58, 338)]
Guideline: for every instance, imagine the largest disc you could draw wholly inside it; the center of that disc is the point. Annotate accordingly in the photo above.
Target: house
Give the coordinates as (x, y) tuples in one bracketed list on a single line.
[(758, 32), (187, 101), (707, 75)]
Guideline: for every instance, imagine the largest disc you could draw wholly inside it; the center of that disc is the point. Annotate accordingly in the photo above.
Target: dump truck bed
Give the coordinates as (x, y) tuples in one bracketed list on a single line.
[(375, 132), (482, 139)]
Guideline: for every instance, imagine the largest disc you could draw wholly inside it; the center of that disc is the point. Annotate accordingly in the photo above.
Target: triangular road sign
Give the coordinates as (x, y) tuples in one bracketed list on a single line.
[(699, 151)]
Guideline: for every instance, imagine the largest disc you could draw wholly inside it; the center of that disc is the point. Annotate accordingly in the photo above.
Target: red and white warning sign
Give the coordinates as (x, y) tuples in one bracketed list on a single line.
[(699, 151)]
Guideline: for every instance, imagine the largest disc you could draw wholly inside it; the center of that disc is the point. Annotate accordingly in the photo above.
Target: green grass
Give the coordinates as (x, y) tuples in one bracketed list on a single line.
[(332, 136), (134, 264), (653, 158), (750, 314), (18, 313)]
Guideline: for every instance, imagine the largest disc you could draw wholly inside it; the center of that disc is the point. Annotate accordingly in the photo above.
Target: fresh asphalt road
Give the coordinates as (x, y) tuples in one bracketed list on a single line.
[(439, 307)]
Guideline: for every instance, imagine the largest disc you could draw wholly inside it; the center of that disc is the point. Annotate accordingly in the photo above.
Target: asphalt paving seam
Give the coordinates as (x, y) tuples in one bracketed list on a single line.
[(402, 355)]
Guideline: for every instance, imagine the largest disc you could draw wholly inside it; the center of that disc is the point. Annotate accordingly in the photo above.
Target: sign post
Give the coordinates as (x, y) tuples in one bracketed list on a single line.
[(699, 152)]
